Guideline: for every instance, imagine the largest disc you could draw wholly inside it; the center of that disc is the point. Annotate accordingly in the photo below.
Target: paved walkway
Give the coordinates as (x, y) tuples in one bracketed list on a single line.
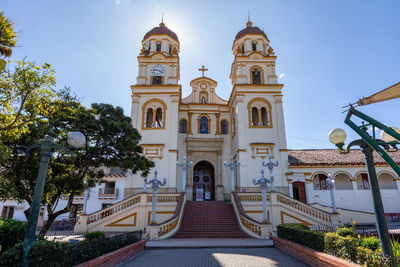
[(213, 257), (209, 243)]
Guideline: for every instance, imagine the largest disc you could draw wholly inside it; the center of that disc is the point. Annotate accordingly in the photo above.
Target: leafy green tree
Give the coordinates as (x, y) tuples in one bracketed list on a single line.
[(26, 96), (111, 141), (7, 35)]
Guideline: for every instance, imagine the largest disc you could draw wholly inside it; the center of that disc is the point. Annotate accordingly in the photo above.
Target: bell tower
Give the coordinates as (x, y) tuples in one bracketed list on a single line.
[(155, 104), (256, 107), (159, 57)]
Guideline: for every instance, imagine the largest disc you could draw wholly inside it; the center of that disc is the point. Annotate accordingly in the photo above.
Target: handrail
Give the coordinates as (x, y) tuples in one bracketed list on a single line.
[(249, 223), (116, 208), (170, 225), (300, 206)]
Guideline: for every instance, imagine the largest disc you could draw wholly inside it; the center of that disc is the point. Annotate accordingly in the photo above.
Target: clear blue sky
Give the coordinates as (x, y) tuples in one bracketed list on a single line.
[(330, 53)]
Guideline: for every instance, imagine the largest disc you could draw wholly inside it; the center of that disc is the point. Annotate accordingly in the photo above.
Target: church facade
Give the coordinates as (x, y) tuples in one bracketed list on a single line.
[(246, 128)]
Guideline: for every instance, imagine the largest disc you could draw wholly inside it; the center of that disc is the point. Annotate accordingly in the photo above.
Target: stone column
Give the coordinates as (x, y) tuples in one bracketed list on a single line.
[(309, 189), (290, 188), (354, 184), (220, 187), (190, 123), (217, 131), (189, 177)]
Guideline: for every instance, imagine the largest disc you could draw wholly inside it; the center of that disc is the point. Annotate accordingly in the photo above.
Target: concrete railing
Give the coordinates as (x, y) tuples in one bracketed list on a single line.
[(171, 226), (247, 224), (307, 210), (127, 215)]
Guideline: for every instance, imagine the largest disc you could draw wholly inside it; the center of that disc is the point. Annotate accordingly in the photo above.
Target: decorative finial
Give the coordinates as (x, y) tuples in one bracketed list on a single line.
[(248, 24), (203, 70), (162, 19)]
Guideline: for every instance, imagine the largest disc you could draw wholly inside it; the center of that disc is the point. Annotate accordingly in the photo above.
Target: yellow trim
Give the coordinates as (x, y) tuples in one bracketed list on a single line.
[(241, 150), (173, 151), (269, 107), (190, 122), (289, 173), (157, 212), (307, 173), (144, 111), (293, 217), (217, 129), (115, 224), (198, 123), (283, 150)]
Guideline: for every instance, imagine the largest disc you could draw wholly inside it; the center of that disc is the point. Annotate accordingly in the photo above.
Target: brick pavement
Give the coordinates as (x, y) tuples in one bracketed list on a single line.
[(210, 257)]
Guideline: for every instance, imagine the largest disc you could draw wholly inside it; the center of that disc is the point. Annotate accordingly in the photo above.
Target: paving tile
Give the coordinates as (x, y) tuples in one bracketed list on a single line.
[(213, 257)]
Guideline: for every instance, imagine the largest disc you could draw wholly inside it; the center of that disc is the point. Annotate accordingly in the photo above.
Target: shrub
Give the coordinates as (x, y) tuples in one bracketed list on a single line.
[(47, 253), (94, 235), (11, 232), (370, 242), (345, 231), (300, 234)]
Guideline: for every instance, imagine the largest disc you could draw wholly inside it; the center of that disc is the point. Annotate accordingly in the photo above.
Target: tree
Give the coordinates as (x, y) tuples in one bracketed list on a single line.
[(111, 141), (26, 96), (7, 35)]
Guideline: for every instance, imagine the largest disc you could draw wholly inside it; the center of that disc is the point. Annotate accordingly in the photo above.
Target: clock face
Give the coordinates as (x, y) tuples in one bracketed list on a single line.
[(157, 70)]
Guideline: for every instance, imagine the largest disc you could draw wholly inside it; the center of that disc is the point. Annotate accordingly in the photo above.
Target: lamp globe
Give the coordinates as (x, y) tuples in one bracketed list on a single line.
[(337, 136), (76, 139)]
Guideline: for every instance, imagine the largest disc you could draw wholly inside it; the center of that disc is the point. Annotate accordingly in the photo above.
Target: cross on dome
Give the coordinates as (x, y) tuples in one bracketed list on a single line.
[(203, 70)]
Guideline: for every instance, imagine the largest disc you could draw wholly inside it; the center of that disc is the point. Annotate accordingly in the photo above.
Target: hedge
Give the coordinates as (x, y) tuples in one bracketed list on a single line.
[(11, 233), (301, 234), (349, 248), (47, 253)]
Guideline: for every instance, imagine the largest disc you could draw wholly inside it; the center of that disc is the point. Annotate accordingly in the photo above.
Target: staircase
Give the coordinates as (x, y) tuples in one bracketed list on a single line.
[(209, 219)]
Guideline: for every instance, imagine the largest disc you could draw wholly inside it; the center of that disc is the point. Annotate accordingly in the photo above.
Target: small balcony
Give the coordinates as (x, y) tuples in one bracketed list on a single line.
[(82, 196), (108, 193)]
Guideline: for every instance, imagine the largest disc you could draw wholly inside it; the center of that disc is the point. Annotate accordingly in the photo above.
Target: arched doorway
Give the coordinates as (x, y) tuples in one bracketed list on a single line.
[(299, 191), (203, 181)]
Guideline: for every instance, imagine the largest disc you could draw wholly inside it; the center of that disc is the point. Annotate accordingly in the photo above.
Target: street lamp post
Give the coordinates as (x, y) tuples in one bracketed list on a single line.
[(338, 136), (47, 148), (184, 166), (155, 184), (330, 184), (271, 166), (232, 165), (263, 183)]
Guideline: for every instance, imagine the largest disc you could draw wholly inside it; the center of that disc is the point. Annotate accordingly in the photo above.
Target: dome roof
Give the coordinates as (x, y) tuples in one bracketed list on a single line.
[(250, 30), (162, 29)]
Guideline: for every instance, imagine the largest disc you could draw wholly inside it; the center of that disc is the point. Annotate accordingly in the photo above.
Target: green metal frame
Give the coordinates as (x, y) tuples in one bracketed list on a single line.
[(372, 141)]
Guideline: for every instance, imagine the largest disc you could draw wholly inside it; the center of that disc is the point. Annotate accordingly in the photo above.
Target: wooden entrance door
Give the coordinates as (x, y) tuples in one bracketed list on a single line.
[(203, 182), (299, 191)]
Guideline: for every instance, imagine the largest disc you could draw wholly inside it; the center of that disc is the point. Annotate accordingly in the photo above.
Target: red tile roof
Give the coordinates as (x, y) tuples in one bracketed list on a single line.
[(162, 29), (321, 157)]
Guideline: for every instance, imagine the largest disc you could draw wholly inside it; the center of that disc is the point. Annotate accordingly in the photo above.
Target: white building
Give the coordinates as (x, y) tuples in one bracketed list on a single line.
[(249, 126)]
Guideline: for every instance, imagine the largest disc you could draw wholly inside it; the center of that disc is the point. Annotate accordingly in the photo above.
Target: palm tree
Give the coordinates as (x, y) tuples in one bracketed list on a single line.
[(7, 35)]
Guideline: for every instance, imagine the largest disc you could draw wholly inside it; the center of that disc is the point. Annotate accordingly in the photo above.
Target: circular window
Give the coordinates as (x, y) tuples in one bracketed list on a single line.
[(206, 179), (203, 86), (196, 179)]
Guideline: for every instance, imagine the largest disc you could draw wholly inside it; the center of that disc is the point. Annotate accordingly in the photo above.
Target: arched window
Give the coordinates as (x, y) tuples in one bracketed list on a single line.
[(264, 116), (224, 127), (158, 121), (170, 50), (320, 182), (242, 49), (386, 181), (203, 125), (183, 126), (149, 118), (343, 182), (254, 46), (259, 113), (254, 116), (153, 112), (158, 47), (256, 76)]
